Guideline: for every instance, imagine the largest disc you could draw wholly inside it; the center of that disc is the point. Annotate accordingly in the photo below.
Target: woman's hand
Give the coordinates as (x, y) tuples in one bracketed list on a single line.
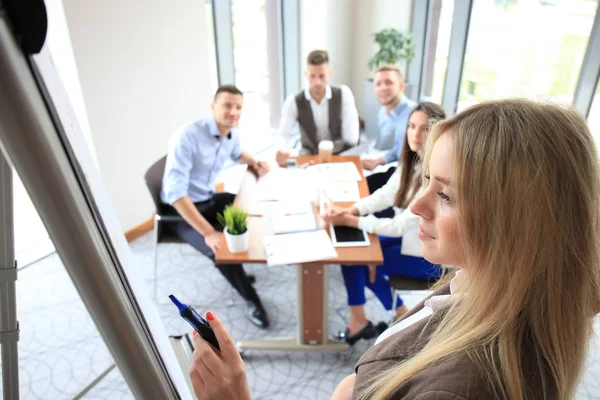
[(370, 165), (337, 220), (345, 219), (334, 211), (218, 376), (345, 389)]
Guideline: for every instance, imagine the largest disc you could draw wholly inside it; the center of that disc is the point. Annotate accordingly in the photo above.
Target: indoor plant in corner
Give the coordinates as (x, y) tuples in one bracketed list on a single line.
[(236, 231), (394, 47)]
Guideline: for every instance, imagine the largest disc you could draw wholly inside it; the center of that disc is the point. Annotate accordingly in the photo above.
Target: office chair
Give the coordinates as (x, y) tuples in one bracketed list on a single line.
[(164, 214), (399, 284)]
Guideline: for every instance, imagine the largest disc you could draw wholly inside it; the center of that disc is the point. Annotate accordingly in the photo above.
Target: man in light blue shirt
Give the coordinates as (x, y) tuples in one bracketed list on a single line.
[(389, 87), (394, 122), (393, 116), (195, 157)]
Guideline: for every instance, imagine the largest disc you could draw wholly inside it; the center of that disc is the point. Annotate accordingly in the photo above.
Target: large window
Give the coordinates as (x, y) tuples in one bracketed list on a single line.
[(528, 48), (436, 61), (251, 62), (212, 57)]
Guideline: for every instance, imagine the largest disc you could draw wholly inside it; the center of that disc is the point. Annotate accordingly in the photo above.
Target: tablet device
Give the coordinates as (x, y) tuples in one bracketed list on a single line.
[(344, 236)]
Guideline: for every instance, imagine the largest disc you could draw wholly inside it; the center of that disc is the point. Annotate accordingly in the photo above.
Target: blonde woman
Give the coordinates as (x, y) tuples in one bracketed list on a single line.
[(513, 202)]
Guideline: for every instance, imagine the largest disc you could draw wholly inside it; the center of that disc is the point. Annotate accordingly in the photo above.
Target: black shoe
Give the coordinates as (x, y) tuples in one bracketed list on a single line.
[(257, 314), (368, 332), (380, 328)]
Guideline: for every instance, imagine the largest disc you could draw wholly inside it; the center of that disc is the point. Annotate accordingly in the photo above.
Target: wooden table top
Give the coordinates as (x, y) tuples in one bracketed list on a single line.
[(260, 227)]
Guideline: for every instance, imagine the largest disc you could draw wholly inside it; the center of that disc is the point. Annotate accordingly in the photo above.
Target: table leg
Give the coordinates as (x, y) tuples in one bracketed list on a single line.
[(311, 302), (312, 316)]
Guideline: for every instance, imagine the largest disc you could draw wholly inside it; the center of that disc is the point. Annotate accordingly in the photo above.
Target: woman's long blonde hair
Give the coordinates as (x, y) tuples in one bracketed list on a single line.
[(528, 207)]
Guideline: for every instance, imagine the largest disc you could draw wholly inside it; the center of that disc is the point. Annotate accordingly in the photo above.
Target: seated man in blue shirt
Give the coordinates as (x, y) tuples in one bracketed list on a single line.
[(389, 87), (196, 155)]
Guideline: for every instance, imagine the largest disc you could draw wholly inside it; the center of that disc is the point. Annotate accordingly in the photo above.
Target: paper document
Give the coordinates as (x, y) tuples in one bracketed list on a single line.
[(345, 171), (257, 208), (340, 191), (289, 217), (291, 207), (282, 207), (232, 177), (286, 184), (295, 248), (293, 223)]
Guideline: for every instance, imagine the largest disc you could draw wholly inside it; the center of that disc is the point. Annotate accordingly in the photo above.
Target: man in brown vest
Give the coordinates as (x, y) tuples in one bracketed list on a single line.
[(323, 112)]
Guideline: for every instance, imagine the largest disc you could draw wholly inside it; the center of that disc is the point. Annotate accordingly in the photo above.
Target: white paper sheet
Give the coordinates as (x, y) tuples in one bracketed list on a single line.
[(294, 248), (345, 171), (286, 184), (232, 177), (342, 191), (290, 217), (268, 208)]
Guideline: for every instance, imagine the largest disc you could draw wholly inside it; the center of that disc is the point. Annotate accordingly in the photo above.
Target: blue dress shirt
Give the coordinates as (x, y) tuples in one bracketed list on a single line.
[(195, 157), (395, 122)]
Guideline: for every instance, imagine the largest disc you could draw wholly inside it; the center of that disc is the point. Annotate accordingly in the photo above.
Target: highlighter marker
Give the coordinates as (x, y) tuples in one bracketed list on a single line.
[(197, 322)]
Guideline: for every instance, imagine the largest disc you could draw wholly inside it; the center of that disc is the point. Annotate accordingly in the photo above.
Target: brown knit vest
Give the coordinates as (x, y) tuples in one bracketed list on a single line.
[(308, 129)]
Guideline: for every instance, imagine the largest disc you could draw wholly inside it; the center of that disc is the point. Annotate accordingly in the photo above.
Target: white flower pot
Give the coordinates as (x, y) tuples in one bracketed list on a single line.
[(237, 243)]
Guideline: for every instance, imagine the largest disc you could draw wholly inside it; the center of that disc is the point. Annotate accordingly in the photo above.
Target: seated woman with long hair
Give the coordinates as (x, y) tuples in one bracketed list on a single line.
[(512, 200), (398, 236)]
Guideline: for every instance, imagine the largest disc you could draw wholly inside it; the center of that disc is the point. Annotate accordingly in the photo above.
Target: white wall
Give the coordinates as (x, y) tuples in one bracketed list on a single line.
[(327, 25), (340, 40), (313, 31), (143, 70), (371, 16), (344, 28)]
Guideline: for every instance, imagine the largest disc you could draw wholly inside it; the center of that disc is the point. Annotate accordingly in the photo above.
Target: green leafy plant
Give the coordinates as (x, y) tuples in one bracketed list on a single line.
[(234, 219), (393, 47)]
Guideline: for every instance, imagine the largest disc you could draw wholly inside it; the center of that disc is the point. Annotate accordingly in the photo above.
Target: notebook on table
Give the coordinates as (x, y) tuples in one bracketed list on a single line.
[(291, 217), (295, 248)]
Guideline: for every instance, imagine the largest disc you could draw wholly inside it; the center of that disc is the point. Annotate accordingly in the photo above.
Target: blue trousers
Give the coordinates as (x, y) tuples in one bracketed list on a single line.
[(356, 278)]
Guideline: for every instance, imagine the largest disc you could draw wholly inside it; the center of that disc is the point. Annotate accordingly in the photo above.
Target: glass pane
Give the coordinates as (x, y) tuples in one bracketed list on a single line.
[(251, 62), (525, 48), (440, 26), (594, 117), (212, 50)]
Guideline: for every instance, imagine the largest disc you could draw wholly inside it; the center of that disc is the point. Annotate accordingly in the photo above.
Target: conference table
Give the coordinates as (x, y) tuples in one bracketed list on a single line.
[(312, 278)]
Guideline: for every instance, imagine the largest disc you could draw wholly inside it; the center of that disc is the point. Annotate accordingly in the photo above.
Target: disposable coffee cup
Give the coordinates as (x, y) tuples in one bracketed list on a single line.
[(325, 151)]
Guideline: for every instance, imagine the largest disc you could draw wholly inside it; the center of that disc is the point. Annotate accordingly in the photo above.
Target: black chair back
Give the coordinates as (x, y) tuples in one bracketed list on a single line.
[(404, 283), (153, 177)]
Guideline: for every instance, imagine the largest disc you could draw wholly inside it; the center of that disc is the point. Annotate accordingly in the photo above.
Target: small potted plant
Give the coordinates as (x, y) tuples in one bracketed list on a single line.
[(236, 231)]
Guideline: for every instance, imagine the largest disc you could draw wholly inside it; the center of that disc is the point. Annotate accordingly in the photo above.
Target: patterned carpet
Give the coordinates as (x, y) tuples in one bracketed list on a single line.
[(61, 351)]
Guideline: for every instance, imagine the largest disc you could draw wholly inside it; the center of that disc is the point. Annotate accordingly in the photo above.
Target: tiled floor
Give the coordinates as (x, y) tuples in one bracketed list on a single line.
[(61, 351)]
